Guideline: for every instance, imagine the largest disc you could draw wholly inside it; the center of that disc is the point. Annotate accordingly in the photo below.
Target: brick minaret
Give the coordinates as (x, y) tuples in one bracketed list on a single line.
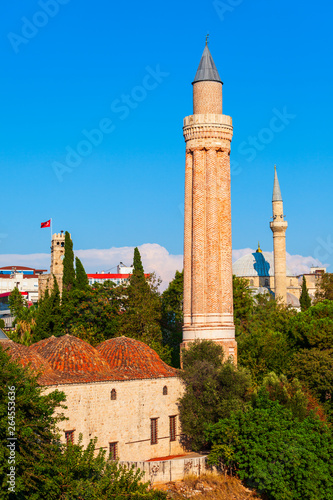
[(279, 226), (208, 300)]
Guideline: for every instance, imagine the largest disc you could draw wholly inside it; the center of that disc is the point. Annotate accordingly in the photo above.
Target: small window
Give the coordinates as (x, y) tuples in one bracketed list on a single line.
[(153, 431), (266, 282), (69, 437), (165, 390), (113, 395), (113, 449), (173, 423), (251, 282)]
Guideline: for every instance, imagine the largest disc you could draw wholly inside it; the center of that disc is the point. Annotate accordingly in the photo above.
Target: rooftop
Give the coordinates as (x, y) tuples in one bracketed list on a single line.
[(207, 70), (256, 264), (70, 360)]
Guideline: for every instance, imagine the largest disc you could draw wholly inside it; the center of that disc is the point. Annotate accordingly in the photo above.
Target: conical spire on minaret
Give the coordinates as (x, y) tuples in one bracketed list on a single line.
[(276, 189), (207, 70)]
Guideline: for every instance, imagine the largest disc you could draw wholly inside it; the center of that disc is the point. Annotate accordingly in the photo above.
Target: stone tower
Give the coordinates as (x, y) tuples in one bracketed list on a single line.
[(57, 253), (208, 299), (279, 226), (56, 269)]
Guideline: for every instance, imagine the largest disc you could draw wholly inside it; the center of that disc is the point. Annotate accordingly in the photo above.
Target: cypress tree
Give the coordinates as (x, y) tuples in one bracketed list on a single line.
[(43, 317), (16, 303), (81, 281), (68, 262), (48, 320), (137, 263), (304, 299), (142, 310), (55, 310)]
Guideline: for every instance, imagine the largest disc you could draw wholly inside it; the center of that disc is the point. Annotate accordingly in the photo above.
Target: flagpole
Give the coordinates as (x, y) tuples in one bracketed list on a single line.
[(51, 230)]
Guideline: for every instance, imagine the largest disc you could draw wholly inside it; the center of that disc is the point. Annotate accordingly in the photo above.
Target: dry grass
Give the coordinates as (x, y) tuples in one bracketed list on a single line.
[(209, 487)]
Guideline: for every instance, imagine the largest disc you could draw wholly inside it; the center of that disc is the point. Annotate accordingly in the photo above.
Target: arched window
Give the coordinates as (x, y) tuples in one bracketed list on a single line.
[(165, 390), (113, 395), (251, 282)]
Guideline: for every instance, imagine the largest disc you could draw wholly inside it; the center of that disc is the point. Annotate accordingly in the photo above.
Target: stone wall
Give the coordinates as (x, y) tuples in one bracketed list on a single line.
[(125, 420), (163, 471)]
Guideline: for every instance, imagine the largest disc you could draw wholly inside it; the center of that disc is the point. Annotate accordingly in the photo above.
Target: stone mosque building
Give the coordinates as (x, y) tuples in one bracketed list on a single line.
[(267, 273)]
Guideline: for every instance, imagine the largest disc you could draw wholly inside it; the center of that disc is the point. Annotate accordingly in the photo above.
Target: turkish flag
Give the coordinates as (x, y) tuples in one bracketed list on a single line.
[(46, 224)]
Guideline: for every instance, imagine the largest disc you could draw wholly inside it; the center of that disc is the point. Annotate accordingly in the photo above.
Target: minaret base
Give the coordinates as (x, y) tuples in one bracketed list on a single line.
[(223, 335)]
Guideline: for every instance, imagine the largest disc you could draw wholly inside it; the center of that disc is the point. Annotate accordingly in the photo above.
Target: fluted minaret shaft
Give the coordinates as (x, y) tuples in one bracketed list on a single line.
[(279, 227), (208, 298)]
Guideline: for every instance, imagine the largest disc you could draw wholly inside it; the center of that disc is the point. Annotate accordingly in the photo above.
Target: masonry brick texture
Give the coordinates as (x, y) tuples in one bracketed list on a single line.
[(207, 98), (208, 297), (57, 254)]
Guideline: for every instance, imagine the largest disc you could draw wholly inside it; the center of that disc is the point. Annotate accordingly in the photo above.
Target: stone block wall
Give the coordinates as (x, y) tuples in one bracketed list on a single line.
[(127, 419)]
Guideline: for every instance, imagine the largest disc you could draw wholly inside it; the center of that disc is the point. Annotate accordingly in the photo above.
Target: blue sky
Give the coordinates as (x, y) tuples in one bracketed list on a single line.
[(71, 73)]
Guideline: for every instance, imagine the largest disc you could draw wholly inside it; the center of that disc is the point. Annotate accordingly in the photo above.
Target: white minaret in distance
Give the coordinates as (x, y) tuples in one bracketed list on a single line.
[(279, 226), (208, 297)]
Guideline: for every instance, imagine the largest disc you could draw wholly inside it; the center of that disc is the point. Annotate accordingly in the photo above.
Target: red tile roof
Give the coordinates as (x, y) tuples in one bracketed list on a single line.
[(27, 358), (130, 354), (69, 360)]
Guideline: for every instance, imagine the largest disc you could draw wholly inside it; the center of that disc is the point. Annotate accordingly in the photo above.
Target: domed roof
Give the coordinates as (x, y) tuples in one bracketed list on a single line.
[(68, 360), (70, 354), (28, 358), (255, 264), (131, 355), (292, 300)]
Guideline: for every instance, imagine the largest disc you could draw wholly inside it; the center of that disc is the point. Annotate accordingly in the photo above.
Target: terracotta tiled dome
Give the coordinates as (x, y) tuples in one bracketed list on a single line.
[(28, 358), (71, 355), (129, 355)]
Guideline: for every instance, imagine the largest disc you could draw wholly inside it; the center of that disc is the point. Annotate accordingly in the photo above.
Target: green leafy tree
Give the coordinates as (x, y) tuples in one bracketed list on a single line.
[(141, 310), (49, 314), (264, 342), (88, 312), (172, 316), (289, 393), (279, 455), (45, 469), (16, 304), (262, 351), (83, 475), (2, 324), (313, 327), (81, 279), (304, 299), (213, 389), (243, 302), (314, 368), (36, 447), (68, 264), (324, 288)]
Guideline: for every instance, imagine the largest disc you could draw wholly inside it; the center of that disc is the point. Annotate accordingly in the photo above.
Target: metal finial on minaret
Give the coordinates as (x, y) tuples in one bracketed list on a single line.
[(207, 38)]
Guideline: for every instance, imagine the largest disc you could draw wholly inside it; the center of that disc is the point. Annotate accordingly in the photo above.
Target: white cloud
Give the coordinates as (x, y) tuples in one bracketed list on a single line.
[(299, 264), (35, 260), (237, 254), (155, 258)]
